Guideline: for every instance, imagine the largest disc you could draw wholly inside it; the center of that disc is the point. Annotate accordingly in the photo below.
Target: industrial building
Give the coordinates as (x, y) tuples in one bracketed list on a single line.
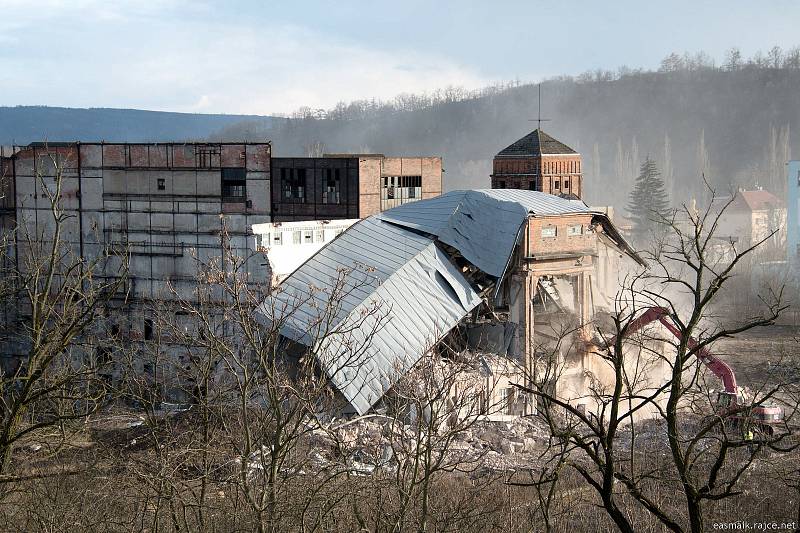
[(166, 204), (342, 186), (174, 207), (419, 270)]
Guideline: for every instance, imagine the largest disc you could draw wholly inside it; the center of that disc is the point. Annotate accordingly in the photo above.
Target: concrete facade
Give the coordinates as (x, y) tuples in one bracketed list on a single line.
[(167, 204)]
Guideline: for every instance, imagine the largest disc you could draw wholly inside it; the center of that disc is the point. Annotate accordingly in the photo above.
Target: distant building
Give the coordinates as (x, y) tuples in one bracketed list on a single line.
[(289, 244), (538, 162), (348, 186), (751, 217)]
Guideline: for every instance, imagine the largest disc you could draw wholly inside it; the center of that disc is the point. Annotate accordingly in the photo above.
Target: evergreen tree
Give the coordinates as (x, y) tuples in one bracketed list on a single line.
[(648, 200)]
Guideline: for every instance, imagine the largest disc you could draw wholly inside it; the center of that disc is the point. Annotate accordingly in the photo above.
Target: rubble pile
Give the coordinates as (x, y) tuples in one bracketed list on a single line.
[(378, 442)]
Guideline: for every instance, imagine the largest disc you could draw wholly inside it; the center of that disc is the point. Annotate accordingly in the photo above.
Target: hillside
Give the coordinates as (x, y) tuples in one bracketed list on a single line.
[(733, 126), (24, 124)]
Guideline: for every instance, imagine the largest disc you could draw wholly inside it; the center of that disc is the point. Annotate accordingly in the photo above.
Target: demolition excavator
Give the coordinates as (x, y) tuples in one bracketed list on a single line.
[(731, 403)]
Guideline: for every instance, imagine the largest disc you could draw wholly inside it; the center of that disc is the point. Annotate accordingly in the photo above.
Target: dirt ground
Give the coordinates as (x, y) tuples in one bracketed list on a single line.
[(763, 356)]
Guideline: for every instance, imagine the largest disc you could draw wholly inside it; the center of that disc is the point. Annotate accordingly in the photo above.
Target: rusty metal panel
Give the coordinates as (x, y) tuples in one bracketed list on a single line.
[(114, 155)]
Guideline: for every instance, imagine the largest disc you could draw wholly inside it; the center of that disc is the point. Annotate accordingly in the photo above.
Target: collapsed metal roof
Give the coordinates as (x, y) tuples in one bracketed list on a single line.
[(375, 299)]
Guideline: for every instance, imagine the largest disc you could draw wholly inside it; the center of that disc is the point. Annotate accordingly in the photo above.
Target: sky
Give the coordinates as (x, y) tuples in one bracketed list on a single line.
[(264, 57)]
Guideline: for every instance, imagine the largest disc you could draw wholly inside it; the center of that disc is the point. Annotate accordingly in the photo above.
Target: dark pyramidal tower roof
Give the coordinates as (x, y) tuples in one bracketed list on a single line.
[(536, 143)]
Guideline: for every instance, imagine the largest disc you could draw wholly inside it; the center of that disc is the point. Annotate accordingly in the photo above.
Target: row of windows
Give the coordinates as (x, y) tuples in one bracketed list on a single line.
[(573, 230), (234, 184), (297, 237), (536, 185), (536, 166)]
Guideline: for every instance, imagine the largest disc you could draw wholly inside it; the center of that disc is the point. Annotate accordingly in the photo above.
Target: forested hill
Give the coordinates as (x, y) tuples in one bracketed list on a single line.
[(24, 124), (735, 125)]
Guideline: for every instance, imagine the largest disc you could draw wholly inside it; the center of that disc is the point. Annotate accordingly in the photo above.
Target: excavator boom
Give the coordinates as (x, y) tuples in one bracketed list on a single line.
[(718, 367)]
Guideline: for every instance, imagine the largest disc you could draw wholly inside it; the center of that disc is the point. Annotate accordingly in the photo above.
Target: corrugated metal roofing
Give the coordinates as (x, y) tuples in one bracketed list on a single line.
[(469, 220), (375, 299), (371, 302)]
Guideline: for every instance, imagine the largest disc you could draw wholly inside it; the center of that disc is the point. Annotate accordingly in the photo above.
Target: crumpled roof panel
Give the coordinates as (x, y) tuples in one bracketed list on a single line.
[(374, 300), (370, 303), (471, 220)]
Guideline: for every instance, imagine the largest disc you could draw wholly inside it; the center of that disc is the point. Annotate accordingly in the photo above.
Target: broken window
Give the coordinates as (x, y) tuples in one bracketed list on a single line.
[(293, 185), (234, 184), (331, 194), (207, 156), (548, 231), (398, 190)]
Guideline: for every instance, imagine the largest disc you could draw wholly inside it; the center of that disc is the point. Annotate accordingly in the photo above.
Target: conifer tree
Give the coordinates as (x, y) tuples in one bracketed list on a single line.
[(649, 201)]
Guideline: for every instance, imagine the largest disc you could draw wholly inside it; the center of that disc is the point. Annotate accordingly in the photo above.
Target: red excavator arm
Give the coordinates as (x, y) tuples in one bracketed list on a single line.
[(718, 367)]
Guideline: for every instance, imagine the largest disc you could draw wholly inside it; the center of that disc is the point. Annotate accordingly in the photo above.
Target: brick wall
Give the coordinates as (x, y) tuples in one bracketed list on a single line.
[(563, 242)]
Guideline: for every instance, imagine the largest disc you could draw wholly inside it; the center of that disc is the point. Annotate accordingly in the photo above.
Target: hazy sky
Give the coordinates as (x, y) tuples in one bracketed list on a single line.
[(273, 57)]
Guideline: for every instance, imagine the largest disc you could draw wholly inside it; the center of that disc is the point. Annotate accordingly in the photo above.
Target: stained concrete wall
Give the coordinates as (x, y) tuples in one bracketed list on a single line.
[(161, 202)]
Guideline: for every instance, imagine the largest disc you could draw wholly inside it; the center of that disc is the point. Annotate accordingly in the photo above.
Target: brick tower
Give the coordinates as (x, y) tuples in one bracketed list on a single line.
[(539, 162)]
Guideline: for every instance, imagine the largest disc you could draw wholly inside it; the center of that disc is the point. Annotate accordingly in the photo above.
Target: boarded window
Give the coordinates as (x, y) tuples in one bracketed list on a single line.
[(575, 229)]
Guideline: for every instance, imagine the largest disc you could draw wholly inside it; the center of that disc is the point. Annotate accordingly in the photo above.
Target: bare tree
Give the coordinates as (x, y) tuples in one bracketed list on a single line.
[(59, 298), (707, 456)]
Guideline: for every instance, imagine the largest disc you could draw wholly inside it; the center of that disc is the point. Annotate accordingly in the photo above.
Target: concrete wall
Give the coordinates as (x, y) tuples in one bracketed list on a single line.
[(162, 203)]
